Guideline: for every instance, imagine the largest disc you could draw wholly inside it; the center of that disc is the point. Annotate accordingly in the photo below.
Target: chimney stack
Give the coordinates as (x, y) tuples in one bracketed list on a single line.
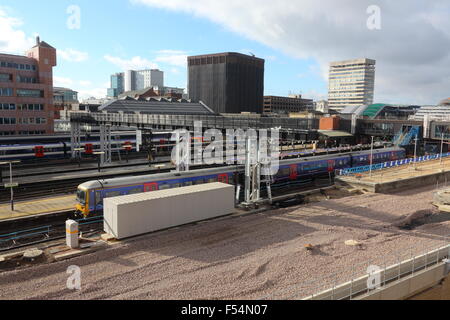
[(38, 40)]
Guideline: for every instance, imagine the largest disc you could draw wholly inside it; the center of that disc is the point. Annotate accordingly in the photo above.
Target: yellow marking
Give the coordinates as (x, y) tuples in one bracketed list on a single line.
[(71, 232)]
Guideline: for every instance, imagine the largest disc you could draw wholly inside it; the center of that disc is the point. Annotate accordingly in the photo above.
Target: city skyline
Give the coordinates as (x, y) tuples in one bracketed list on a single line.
[(295, 62)]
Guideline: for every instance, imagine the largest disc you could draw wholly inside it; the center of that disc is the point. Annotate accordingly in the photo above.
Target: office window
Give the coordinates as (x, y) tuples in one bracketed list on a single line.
[(6, 92), (7, 106), (8, 121), (30, 93), (5, 77)]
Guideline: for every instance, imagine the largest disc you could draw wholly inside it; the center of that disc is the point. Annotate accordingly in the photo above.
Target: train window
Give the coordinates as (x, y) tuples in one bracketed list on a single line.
[(135, 190), (111, 194), (81, 196), (287, 171), (199, 181), (164, 186), (175, 185), (187, 183), (98, 197), (212, 180)]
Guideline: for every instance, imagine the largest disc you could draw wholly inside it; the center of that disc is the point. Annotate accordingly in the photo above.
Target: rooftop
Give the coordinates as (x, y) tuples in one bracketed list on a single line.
[(156, 106)]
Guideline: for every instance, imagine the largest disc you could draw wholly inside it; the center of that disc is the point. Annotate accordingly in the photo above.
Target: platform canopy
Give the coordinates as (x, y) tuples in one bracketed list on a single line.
[(156, 106), (335, 133)]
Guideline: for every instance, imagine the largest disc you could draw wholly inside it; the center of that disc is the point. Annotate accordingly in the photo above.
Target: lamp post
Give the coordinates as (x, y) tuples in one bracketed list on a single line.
[(99, 154), (415, 151), (11, 185), (442, 147), (371, 156)]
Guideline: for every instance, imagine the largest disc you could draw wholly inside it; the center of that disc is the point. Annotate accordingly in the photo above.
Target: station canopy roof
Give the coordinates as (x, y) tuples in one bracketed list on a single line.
[(156, 106), (335, 133)]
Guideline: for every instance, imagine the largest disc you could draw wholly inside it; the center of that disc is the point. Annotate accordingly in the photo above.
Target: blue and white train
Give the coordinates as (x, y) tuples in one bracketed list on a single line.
[(90, 195)]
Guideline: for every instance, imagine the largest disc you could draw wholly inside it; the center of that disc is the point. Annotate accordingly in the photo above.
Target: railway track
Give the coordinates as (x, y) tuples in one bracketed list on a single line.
[(39, 229), (41, 233)]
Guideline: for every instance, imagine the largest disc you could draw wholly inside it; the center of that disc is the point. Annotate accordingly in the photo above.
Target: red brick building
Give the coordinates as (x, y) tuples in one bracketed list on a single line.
[(26, 91)]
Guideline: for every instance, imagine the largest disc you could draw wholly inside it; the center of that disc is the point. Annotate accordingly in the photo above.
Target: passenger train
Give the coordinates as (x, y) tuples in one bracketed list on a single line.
[(59, 146), (90, 195)]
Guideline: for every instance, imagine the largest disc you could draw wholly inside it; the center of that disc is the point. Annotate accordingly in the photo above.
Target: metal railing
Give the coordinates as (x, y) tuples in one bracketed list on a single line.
[(390, 164)]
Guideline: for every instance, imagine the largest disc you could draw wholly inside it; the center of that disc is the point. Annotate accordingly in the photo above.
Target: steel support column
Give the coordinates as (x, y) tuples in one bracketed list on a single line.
[(75, 139), (105, 144)]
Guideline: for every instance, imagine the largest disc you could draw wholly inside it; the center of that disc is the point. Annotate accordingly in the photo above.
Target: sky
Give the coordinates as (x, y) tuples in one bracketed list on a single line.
[(410, 39)]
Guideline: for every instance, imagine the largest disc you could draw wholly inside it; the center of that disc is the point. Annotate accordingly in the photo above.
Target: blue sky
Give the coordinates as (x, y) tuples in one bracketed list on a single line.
[(297, 38), (119, 29)]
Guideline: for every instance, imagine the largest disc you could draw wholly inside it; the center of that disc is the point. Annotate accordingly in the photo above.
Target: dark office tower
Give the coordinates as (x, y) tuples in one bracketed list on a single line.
[(227, 82)]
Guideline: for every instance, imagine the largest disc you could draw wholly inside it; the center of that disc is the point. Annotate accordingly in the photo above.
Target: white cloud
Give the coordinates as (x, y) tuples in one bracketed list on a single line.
[(412, 48), (94, 92), (13, 40), (85, 83), (62, 82), (134, 63), (73, 55), (172, 57)]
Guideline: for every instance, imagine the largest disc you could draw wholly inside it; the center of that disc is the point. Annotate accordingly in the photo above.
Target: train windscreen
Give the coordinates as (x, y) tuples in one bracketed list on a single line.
[(81, 196)]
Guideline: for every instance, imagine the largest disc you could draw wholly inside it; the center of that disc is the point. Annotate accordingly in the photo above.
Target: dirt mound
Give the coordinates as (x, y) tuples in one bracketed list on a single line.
[(414, 220)]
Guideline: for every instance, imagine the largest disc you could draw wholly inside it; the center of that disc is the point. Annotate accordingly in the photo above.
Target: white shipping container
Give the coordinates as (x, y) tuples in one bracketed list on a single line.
[(131, 215)]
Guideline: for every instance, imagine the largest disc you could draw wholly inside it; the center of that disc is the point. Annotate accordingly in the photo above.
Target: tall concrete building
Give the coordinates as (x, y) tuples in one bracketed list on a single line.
[(141, 79), (117, 85), (351, 83), (26, 91), (227, 82)]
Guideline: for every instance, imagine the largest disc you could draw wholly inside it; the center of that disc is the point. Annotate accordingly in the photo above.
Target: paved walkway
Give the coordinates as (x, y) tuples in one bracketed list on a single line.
[(34, 207)]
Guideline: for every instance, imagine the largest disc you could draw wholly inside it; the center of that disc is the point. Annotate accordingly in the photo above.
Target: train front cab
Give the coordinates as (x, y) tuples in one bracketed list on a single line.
[(82, 206)]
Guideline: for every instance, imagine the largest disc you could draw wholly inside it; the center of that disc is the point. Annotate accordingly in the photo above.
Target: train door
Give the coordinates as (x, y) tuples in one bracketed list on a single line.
[(222, 178), (331, 165), (150, 187), (293, 172), (39, 152)]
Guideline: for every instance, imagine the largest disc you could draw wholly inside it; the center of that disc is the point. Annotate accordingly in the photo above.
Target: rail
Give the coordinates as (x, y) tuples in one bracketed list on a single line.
[(44, 233)]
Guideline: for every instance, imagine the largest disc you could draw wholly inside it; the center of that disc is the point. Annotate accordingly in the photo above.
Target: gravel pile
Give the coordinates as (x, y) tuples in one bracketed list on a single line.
[(282, 254)]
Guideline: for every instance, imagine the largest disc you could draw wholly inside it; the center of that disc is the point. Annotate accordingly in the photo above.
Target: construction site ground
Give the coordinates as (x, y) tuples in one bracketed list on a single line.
[(287, 253)]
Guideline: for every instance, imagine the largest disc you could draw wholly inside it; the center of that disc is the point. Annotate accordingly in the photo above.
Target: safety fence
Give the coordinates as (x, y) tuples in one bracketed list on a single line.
[(390, 164), (40, 234)]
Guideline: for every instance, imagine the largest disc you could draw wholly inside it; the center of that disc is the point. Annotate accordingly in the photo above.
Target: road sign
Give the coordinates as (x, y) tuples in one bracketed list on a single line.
[(11, 185)]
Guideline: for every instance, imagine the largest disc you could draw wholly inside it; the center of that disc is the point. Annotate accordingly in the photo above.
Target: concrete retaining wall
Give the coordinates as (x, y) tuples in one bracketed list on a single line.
[(401, 184)]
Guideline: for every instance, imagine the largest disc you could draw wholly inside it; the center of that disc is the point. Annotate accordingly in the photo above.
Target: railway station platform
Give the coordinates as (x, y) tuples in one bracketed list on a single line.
[(37, 207), (90, 174), (400, 178)]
